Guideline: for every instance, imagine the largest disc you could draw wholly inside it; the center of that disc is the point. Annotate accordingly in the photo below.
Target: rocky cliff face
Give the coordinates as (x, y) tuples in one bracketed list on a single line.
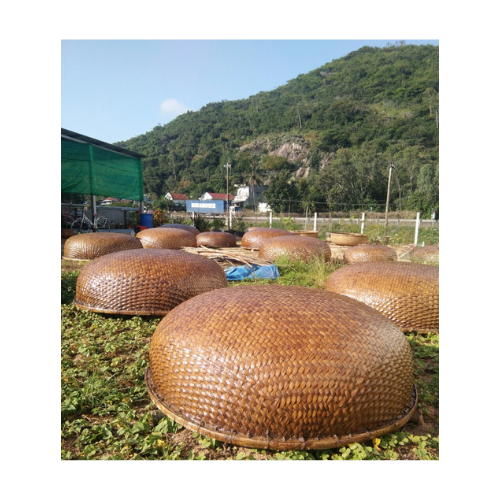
[(292, 151)]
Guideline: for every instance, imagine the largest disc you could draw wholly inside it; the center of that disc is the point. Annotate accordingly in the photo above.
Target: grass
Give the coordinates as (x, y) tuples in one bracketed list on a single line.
[(399, 235), (106, 413)]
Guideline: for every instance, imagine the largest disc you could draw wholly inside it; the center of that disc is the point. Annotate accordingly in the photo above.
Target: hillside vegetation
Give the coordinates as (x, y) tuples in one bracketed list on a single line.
[(324, 140)]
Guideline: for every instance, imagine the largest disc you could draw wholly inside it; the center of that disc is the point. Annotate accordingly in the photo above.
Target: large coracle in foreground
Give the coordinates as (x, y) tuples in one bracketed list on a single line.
[(295, 248), (170, 238), (92, 245), (216, 239), (425, 255), (191, 229), (406, 293), (146, 282), (254, 238), (281, 367), (370, 253)]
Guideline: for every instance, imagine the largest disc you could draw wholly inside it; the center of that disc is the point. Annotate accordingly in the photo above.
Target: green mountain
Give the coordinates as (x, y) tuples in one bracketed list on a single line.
[(323, 140)]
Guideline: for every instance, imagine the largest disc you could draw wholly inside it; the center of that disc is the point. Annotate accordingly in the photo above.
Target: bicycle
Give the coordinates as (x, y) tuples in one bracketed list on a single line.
[(83, 223)]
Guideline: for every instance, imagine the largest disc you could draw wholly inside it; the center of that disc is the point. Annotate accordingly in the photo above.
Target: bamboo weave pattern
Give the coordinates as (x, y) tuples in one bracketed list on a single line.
[(191, 229), (294, 247), (281, 367), (146, 282), (369, 253), (216, 240), (406, 293), (254, 238), (92, 245), (169, 238)]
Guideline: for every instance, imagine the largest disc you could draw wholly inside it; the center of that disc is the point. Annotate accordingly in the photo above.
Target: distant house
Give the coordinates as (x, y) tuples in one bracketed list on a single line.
[(216, 196), (244, 197), (179, 199), (108, 201)]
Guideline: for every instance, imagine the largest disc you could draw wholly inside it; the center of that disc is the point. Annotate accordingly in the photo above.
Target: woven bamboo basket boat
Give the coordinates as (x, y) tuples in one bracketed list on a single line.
[(191, 229), (281, 368), (370, 253), (254, 238), (425, 255), (295, 248), (92, 245), (216, 240), (170, 238), (348, 239), (407, 294), (311, 234), (145, 282)]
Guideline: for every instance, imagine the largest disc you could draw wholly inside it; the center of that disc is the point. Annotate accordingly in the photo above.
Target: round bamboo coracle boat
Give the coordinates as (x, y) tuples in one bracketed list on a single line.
[(254, 238), (310, 234), (191, 229), (145, 282), (295, 248), (348, 239), (406, 293), (425, 255), (370, 253), (171, 238), (281, 368), (92, 245), (216, 240)]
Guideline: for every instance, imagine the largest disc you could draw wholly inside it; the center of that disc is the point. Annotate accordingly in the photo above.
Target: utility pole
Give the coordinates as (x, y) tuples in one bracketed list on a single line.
[(392, 166), (227, 166)]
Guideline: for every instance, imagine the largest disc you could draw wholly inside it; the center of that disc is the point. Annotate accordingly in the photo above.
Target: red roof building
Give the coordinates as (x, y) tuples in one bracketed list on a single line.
[(216, 196), (177, 198)]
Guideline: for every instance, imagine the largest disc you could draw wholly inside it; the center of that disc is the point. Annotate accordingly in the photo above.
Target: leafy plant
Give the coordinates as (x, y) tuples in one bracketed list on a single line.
[(240, 225), (159, 218), (68, 286), (201, 223), (218, 223)]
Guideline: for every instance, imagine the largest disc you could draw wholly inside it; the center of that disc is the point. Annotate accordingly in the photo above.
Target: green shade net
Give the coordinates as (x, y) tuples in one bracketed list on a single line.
[(89, 169)]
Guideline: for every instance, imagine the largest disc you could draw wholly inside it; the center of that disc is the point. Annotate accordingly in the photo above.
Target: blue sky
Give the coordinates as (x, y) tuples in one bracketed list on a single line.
[(113, 90)]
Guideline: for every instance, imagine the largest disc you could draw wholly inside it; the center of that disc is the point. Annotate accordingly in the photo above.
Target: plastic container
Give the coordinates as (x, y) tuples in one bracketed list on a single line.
[(147, 220)]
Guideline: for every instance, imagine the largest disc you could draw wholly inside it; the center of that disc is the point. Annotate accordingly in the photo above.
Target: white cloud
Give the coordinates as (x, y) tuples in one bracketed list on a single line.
[(173, 107)]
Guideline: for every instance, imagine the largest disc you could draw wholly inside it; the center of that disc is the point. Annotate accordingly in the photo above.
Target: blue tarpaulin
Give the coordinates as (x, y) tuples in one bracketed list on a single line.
[(253, 272)]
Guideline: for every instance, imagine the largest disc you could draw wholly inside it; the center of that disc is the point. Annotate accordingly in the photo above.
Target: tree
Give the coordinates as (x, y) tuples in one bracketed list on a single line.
[(432, 98), (282, 193), (252, 173)]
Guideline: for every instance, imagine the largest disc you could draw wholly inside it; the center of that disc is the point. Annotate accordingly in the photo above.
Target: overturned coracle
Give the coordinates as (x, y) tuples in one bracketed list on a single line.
[(295, 248), (406, 293), (281, 368), (191, 229), (254, 238), (370, 253), (145, 282), (169, 238), (92, 245), (216, 239)]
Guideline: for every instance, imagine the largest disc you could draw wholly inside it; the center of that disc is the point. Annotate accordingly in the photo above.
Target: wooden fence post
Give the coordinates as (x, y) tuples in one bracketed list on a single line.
[(417, 224)]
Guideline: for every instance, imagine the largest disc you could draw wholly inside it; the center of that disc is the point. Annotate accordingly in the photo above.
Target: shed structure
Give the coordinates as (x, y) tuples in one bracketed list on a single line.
[(90, 166)]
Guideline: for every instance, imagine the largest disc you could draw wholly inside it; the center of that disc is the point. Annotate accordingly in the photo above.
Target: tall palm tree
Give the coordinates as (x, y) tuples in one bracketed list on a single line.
[(253, 175)]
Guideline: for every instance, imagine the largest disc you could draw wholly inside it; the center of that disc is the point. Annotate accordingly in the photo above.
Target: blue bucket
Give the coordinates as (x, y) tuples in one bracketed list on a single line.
[(147, 220)]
